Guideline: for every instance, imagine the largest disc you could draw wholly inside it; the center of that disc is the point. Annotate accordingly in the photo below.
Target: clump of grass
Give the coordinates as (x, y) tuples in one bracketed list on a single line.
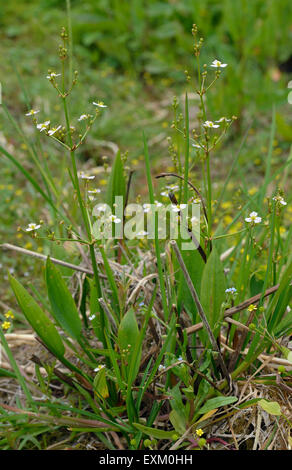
[(158, 341)]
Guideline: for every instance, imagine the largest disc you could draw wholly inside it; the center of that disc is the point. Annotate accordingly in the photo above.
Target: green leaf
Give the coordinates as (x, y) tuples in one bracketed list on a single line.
[(195, 266), (100, 385), (117, 184), (156, 433), (213, 290), (128, 334), (63, 306), (94, 309), (255, 285), (35, 316), (216, 403), (178, 422), (271, 407)]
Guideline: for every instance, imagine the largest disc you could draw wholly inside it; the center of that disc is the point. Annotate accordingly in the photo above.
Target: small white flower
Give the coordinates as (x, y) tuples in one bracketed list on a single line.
[(54, 130), (197, 146), (195, 200), (98, 368), (217, 64), (146, 207), (253, 218), (94, 191), (210, 124), (114, 219), (161, 367), (91, 317), (172, 187), (158, 204), (100, 104), (102, 208), (179, 207), (32, 227), (43, 126), (32, 112), (223, 119), (86, 176), (164, 194), (280, 200), (53, 75), (83, 117), (142, 233)]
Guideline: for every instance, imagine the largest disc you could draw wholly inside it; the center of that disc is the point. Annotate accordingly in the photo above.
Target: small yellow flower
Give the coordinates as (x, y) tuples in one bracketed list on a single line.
[(252, 308), (199, 432), (9, 314), (6, 325)]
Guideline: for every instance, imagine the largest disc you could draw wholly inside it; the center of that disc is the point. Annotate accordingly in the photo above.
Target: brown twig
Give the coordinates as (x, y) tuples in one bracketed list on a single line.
[(233, 310)]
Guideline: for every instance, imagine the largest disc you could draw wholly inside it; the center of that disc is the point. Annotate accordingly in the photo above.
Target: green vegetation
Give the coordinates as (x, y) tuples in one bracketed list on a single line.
[(142, 343)]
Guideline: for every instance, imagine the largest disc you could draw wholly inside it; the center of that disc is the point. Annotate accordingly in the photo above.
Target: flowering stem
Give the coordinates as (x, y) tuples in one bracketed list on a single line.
[(85, 218)]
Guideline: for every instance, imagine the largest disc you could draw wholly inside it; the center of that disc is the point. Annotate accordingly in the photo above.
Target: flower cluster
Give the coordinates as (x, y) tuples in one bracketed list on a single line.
[(7, 323)]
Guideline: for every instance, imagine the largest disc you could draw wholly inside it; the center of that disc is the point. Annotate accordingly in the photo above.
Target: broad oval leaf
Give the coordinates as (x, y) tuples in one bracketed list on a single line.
[(38, 320), (63, 306)]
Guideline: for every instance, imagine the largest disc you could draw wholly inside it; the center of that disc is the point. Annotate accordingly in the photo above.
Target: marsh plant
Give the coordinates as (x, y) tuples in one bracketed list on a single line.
[(159, 338)]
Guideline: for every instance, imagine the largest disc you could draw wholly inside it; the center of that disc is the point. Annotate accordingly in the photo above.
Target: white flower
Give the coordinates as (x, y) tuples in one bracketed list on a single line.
[(94, 191), (98, 368), (197, 146), (210, 124), (142, 233), (91, 317), (32, 226), (164, 194), (32, 112), (179, 207), (253, 218), (100, 104), (280, 200), (86, 176), (217, 64), (195, 200), (53, 75), (172, 187), (146, 207), (223, 119), (43, 126), (102, 208), (158, 204), (83, 117), (161, 367), (54, 130), (114, 219)]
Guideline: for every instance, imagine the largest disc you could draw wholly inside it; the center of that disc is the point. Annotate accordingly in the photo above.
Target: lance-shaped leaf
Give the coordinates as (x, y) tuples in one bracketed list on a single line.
[(63, 306), (117, 184), (38, 320), (128, 334), (213, 289)]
